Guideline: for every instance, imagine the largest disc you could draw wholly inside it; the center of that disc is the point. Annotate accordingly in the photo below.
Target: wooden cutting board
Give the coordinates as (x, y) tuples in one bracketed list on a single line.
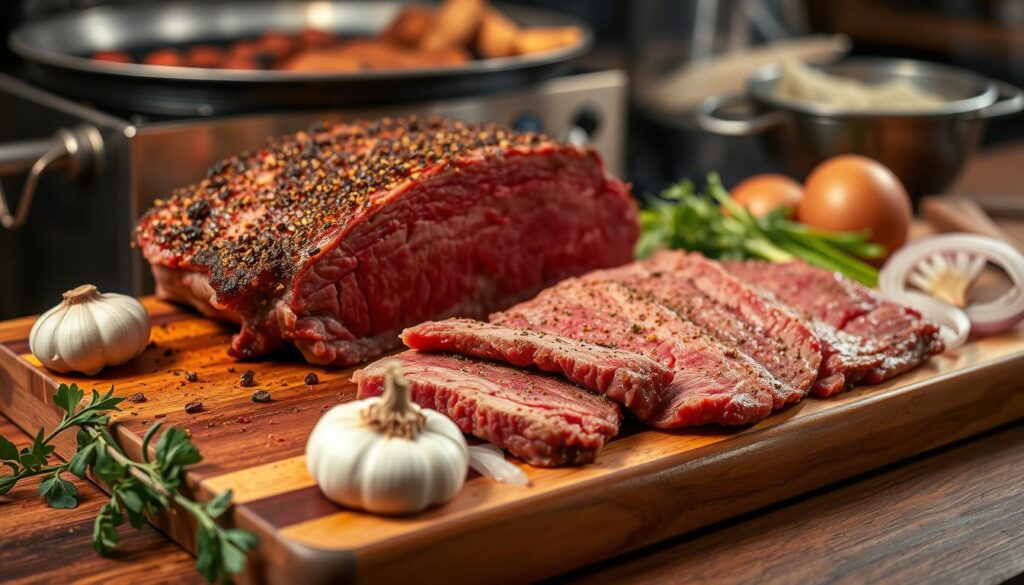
[(647, 485)]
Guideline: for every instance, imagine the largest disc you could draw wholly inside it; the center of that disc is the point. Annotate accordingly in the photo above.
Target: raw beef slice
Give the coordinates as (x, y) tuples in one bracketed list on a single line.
[(543, 420), (628, 378), (873, 339), (701, 291), (712, 383)]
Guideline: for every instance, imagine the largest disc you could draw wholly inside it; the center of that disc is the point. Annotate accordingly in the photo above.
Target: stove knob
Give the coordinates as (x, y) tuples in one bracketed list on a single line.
[(527, 122), (584, 126)]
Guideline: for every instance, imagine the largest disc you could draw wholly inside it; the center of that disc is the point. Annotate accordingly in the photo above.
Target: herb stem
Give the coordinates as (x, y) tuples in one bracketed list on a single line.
[(139, 471), (25, 472)]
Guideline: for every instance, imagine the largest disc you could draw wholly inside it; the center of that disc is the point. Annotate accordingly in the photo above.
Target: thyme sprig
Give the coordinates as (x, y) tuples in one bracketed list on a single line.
[(138, 490)]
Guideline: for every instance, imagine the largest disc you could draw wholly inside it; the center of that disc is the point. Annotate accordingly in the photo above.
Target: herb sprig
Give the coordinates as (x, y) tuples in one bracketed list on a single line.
[(715, 225), (138, 490)]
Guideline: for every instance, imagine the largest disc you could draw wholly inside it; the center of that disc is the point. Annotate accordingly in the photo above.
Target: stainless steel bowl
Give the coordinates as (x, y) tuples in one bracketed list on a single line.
[(926, 149)]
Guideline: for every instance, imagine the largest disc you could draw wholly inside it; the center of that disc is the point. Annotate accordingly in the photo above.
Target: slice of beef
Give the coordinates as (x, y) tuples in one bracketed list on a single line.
[(628, 378), (846, 359), (701, 291), (808, 355), (336, 238), (543, 420), (713, 383), (869, 328)]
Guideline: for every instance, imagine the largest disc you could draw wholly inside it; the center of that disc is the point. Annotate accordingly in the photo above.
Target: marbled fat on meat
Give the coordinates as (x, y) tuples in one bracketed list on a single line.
[(628, 378), (543, 420), (871, 339), (713, 383)]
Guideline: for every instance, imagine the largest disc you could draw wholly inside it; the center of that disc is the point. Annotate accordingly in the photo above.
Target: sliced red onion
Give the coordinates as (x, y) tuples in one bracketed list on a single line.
[(488, 460), (965, 254)]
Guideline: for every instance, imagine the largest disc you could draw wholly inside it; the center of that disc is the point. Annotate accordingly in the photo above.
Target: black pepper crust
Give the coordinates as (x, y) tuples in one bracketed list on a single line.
[(257, 216)]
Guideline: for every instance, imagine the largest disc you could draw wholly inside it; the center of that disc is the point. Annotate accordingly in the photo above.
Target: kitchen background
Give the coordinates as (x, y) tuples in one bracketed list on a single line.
[(674, 54)]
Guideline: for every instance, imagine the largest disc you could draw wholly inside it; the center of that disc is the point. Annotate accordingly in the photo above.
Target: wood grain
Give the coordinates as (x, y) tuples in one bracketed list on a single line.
[(647, 485), (956, 516), (43, 545)]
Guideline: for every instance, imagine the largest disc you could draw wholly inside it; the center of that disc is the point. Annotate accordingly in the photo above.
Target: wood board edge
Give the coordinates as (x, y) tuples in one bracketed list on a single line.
[(578, 527)]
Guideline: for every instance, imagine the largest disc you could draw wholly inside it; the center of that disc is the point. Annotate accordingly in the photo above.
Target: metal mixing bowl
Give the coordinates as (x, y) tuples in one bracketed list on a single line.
[(926, 149)]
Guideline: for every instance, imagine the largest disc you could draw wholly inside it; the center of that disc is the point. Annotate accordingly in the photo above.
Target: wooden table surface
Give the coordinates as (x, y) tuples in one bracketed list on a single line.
[(953, 515)]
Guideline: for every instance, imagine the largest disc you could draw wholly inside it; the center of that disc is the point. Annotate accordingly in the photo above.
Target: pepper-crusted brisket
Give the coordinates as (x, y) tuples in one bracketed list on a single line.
[(336, 238)]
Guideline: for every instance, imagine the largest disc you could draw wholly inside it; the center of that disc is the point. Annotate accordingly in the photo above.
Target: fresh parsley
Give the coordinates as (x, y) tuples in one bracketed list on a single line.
[(713, 224), (138, 490)]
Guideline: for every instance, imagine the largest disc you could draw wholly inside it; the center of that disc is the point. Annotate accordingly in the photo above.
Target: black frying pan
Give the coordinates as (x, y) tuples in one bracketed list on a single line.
[(57, 53)]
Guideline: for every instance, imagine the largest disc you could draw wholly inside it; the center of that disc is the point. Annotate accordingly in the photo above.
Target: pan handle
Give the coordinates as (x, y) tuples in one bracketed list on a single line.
[(1010, 101), (710, 120), (77, 151)]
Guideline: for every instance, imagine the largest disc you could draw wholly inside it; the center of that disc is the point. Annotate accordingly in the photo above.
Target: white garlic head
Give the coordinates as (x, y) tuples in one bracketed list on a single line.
[(387, 455), (90, 330)]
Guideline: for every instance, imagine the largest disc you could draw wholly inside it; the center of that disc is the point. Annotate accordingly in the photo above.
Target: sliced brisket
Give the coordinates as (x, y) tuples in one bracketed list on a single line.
[(543, 420), (713, 383), (336, 238), (628, 378), (702, 292), (874, 339)]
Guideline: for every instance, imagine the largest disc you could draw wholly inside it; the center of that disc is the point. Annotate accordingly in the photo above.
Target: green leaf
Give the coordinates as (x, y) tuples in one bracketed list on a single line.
[(8, 451), (232, 557), (39, 446), (147, 438), (83, 438), (243, 539), (79, 464), (14, 467), (31, 461), (68, 397), (104, 530), (105, 402), (219, 504), (59, 493), (107, 469), (131, 500), (208, 554), (7, 482), (134, 498), (174, 452)]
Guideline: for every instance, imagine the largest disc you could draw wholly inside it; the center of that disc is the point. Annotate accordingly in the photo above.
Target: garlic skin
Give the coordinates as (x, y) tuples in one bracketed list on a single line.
[(359, 464), (90, 330)]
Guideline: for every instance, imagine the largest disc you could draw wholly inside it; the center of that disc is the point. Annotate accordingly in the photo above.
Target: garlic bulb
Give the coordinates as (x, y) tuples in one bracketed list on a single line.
[(386, 454), (90, 330)]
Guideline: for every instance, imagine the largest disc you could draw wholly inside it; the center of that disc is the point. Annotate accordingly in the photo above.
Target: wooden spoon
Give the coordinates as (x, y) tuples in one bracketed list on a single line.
[(956, 213)]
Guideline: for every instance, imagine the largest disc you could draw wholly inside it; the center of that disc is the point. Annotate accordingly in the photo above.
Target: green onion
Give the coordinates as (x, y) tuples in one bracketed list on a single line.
[(711, 223)]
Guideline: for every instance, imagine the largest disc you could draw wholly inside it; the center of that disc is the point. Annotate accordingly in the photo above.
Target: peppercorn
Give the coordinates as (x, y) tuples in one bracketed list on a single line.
[(137, 398), (194, 407), (191, 376), (247, 379), (311, 379), (261, 396), (302, 185)]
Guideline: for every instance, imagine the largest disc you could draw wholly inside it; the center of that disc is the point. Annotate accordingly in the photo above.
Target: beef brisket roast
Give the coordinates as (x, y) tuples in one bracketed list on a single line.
[(336, 238), (713, 383), (543, 420), (871, 339), (628, 378)]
